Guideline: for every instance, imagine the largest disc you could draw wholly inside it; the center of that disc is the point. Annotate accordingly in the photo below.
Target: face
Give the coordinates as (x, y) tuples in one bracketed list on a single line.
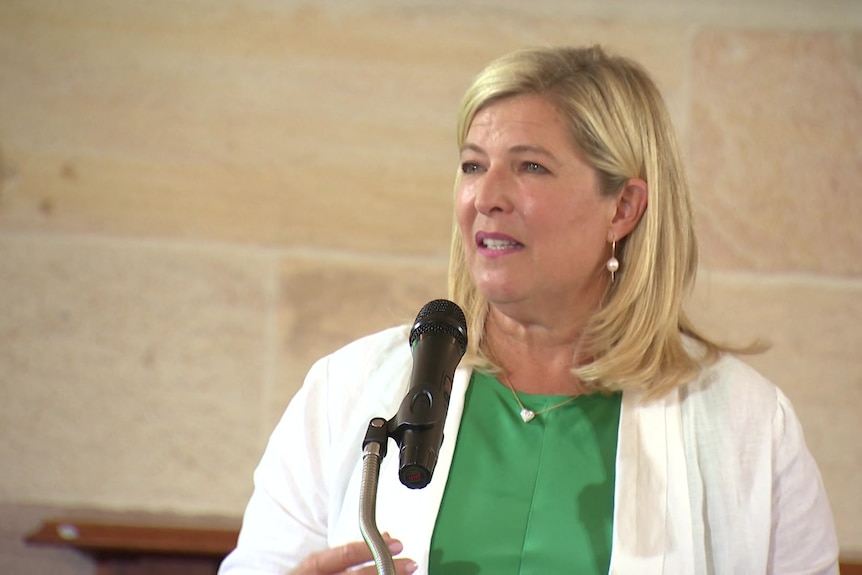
[(534, 226)]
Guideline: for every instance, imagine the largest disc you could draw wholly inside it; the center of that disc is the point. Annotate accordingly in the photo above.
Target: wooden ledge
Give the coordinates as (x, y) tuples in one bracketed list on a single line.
[(850, 563), (137, 533)]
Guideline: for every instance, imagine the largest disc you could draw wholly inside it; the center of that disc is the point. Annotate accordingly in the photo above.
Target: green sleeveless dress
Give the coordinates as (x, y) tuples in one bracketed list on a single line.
[(531, 498)]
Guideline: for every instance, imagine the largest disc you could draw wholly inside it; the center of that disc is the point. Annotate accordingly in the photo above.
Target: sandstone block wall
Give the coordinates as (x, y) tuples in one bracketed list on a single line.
[(198, 199)]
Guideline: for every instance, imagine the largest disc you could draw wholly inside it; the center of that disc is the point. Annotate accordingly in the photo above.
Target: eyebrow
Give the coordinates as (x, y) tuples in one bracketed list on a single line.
[(532, 149), (519, 149)]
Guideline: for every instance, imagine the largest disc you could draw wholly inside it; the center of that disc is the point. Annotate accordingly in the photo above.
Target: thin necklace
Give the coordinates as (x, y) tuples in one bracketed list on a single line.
[(528, 414)]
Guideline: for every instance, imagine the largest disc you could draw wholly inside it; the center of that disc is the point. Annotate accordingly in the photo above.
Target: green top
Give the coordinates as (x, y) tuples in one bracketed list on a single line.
[(528, 498)]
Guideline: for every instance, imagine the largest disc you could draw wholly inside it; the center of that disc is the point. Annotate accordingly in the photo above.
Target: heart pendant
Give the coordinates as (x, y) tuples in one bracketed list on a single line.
[(527, 415)]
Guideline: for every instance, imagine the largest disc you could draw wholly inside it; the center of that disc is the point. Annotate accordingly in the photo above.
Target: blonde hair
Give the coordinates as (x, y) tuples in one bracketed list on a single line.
[(618, 120)]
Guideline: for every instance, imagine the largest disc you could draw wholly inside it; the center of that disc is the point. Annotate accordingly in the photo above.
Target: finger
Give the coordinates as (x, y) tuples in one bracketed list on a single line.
[(402, 567), (405, 566), (335, 559)]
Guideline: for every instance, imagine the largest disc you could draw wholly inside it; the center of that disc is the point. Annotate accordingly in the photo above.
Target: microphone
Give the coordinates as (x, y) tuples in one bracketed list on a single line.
[(438, 341)]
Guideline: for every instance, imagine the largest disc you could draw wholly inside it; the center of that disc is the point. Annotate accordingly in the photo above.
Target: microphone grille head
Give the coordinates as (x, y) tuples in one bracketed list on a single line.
[(443, 316)]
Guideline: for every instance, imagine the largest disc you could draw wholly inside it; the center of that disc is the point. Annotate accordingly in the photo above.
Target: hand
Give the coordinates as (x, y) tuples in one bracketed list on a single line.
[(338, 560)]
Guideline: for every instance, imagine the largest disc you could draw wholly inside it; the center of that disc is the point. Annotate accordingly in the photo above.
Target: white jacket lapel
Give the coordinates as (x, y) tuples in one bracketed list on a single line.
[(410, 514), (641, 490)]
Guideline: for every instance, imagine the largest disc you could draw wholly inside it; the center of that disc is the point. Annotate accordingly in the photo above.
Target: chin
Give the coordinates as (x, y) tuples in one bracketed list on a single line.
[(498, 295), (496, 287)]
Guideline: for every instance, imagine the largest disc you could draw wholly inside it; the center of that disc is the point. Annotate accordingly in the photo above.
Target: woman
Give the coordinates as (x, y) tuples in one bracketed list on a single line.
[(592, 428)]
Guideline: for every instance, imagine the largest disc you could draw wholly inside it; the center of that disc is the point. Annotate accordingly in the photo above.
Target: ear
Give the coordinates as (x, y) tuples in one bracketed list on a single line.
[(631, 203)]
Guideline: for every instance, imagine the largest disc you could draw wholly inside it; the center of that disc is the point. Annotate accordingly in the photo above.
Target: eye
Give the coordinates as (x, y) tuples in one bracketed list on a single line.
[(469, 167), (534, 168)]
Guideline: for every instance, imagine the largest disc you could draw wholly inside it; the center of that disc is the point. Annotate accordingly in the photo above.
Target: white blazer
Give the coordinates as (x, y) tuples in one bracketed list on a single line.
[(712, 479)]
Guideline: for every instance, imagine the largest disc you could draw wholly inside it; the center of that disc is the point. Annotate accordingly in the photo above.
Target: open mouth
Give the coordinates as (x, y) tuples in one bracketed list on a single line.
[(495, 244)]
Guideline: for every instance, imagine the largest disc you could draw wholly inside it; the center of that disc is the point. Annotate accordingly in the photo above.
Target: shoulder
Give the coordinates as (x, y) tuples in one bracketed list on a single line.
[(730, 402), (730, 382), (374, 368), (373, 347)]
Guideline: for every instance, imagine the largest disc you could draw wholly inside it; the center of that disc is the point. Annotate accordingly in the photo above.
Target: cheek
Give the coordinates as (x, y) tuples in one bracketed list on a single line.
[(569, 231), (465, 212)]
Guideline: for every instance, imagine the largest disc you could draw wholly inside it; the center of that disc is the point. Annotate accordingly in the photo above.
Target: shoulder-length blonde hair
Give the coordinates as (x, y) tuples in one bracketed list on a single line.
[(618, 120)]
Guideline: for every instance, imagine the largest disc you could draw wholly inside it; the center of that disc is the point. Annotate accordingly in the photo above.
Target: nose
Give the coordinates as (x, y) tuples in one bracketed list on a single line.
[(493, 192)]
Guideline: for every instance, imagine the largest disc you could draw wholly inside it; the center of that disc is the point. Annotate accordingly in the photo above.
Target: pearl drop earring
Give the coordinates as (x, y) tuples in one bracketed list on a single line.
[(613, 264)]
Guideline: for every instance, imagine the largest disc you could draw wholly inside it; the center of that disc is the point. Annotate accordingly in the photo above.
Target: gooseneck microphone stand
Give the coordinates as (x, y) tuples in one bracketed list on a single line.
[(373, 451), (413, 429)]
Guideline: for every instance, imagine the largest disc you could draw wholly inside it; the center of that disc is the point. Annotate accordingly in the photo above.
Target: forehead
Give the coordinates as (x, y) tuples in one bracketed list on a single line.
[(526, 116)]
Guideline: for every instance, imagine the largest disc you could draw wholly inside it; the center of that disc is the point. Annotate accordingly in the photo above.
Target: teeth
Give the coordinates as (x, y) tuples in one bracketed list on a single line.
[(498, 244)]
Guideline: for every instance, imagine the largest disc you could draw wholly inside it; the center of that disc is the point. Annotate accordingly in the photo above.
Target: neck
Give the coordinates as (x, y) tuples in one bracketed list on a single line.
[(535, 358)]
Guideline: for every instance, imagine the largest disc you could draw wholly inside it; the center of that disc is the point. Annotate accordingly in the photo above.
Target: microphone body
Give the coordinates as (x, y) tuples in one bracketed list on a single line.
[(438, 341)]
